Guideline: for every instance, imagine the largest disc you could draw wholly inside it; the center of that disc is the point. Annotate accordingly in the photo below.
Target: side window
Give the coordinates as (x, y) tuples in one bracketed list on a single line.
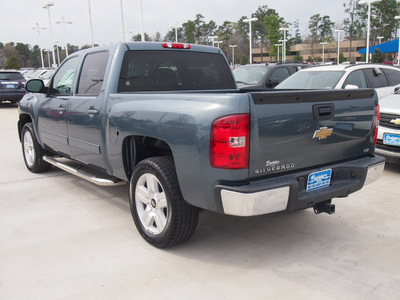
[(92, 75), (64, 77), (375, 80), (392, 75), (279, 74), (356, 78)]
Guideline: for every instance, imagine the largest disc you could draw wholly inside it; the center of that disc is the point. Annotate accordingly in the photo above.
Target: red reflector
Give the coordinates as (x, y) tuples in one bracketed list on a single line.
[(230, 142), (176, 45), (377, 118)]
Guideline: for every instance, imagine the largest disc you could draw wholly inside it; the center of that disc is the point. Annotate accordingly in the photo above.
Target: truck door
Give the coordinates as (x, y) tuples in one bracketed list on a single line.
[(85, 118), (52, 115)]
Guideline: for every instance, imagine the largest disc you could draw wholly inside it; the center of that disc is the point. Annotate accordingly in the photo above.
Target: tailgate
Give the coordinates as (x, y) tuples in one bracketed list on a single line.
[(294, 130)]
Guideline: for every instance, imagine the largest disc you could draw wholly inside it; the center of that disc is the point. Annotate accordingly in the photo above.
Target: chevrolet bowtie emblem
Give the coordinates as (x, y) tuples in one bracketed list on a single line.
[(395, 121), (323, 133)]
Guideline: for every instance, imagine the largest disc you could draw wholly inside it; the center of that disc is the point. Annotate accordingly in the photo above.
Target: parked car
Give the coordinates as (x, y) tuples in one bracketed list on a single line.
[(382, 78), (264, 76), (46, 76), (388, 143), (12, 86), (35, 74)]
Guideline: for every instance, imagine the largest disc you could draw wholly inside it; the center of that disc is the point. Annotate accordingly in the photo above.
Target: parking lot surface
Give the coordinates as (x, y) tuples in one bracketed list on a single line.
[(64, 238)]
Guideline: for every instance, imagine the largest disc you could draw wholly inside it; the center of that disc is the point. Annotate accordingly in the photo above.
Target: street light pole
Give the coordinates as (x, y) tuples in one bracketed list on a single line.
[(123, 23), (91, 25), (58, 52), (47, 6), (233, 54), (398, 49), (338, 41), (38, 28), (278, 45), (62, 21), (368, 21), (212, 38), (284, 29), (249, 21), (323, 51), (141, 21), (176, 26), (380, 39)]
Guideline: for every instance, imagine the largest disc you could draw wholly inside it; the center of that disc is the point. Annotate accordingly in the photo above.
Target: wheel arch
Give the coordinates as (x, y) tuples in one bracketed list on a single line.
[(23, 119), (137, 148)]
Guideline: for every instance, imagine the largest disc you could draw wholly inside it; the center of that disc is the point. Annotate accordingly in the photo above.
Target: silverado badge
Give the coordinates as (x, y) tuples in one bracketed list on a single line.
[(395, 121), (323, 133)]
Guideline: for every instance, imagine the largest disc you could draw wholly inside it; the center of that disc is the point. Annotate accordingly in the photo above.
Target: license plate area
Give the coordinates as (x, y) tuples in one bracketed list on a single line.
[(319, 180), (391, 139)]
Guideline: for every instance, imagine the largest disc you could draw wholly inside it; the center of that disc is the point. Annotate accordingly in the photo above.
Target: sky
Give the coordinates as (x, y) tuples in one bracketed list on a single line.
[(19, 16)]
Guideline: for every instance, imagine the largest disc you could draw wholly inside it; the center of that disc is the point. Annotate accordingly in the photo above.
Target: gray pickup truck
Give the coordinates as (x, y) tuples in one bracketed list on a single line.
[(168, 118)]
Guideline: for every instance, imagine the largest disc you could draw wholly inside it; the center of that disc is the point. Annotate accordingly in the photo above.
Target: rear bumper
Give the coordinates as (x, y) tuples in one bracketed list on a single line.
[(11, 96), (288, 192)]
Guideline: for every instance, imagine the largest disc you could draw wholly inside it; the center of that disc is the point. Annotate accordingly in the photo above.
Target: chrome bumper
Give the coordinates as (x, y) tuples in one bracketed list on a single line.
[(292, 197)]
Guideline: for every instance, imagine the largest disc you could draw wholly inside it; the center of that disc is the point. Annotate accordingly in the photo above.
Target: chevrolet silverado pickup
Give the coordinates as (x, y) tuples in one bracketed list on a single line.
[(168, 119)]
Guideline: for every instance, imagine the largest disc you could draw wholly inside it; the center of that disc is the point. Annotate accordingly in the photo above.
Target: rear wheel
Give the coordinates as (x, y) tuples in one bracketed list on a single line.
[(32, 151), (161, 215)]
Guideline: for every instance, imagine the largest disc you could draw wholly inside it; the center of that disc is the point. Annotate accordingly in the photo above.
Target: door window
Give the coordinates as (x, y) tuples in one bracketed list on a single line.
[(376, 78), (280, 74), (92, 75), (356, 78), (64, 77), (392, 75)]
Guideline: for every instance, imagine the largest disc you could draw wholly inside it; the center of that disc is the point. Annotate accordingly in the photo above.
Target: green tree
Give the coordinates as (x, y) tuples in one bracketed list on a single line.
[(377, 56), (298, 58), (244, 60), (354, 23), (138, 37), (12, 62)]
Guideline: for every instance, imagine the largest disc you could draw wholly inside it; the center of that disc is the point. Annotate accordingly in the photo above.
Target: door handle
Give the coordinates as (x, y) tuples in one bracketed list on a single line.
[(92, 111), (323, 112), (61, 109)]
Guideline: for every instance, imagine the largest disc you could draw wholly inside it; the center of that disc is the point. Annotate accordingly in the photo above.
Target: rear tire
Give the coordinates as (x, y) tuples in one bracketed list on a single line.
[(160, 213), (32, 151)]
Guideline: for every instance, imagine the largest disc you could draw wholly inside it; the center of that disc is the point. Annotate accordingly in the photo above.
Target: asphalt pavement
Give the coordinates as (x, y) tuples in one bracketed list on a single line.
[(64, 238)]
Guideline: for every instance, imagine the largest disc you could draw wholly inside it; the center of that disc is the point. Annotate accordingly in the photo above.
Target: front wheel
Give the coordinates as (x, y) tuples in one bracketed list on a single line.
[(32, 151), (161, 215)]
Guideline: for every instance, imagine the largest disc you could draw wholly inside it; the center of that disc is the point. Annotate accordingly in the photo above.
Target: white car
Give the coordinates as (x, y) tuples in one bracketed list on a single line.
[(388, 143), (380, 77)]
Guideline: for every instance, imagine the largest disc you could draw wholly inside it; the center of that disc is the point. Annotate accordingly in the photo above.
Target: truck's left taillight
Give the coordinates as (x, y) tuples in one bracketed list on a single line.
[(377, 118), (230, 142)]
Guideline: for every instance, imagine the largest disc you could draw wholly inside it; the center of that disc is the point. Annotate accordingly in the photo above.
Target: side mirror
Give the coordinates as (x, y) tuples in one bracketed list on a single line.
[(35, 86), (351, 87), (273, 82)]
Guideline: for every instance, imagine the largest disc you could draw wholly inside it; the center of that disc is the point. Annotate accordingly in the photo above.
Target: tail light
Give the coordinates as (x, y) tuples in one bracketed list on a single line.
[(377, 118), (230, 142)]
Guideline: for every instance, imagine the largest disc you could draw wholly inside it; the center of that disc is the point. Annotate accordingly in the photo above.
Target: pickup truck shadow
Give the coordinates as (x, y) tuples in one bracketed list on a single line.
[(392, 167), (262, 242)]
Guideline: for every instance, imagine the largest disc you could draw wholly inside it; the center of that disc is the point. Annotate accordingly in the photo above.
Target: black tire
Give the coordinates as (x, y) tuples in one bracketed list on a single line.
[(32, 151), (160, 213)]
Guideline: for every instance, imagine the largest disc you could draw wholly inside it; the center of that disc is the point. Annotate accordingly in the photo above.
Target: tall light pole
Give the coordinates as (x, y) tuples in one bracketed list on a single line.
[(38, 28), (368, 21), (398, 50), (62, 21), (122, 20), (48, 56), (284, 29), (278, 45), (323, 51), (249, 21), (58, 52), (176, 26), (218, 42), (380, 38), (91, 24), (338, 43), (47, 6), (141, 21), (233, 54), (212, 38)]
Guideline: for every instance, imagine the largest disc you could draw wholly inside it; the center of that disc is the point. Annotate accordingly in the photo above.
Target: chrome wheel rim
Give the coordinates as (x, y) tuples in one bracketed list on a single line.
[(29, 150), (151, 204)]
